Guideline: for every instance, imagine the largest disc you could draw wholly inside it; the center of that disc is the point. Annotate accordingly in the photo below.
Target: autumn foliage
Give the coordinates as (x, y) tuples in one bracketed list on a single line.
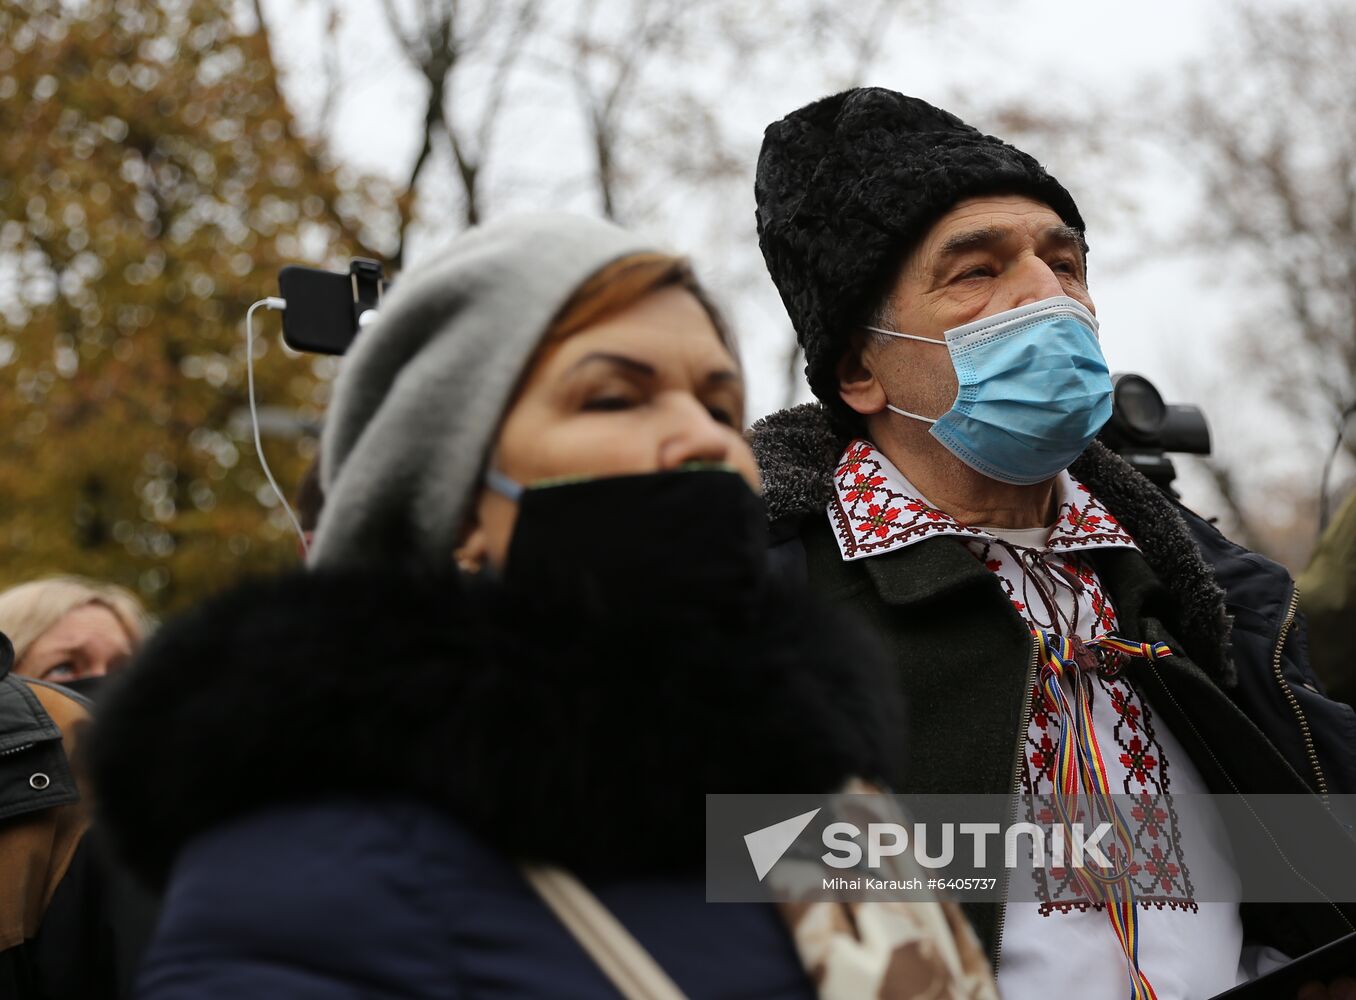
[(152, 182)]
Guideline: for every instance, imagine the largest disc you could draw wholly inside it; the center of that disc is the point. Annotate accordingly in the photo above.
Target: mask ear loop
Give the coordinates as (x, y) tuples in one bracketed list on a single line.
[(906, 413), (508, 488), (907, 336)]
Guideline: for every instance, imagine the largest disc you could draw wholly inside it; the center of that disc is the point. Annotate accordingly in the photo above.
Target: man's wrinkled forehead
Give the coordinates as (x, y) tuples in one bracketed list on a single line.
[(987, 223)]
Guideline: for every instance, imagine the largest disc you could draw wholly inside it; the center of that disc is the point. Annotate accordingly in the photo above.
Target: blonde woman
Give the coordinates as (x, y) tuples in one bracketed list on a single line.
[(69, 628), (68, 926)]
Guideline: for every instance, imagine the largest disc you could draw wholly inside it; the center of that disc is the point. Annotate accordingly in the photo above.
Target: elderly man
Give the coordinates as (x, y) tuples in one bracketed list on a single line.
[(949, 485)]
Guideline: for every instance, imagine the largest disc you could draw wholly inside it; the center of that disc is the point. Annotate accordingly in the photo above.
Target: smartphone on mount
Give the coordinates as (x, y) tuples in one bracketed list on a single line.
[(325, 308)]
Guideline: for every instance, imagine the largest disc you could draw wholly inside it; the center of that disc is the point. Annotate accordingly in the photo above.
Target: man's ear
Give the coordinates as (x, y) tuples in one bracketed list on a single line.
[(857, 382)]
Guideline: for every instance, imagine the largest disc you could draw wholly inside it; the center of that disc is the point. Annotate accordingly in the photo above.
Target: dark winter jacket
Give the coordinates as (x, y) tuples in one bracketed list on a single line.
[(1276, 685), (1253, 721), (359, 763), (69, 927)]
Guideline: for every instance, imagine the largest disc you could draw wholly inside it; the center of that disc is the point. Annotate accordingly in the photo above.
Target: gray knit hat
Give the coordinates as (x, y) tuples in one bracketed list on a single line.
[(422, 392)]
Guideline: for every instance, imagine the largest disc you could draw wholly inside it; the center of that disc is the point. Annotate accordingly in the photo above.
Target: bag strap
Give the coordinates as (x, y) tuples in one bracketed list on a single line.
[(618, 954)]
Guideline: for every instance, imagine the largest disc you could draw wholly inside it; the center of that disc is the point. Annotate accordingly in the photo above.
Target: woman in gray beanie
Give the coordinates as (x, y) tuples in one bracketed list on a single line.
[(465, 754)]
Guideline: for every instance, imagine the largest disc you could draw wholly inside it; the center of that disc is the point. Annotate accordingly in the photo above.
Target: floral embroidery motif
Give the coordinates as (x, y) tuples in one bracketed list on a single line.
[(1084, 523), (863, 487), (1149, 815), (852, 458), (931, 513), (1082, 520), (1159, 869), (1129, 713), (1138, 760), (1106, 618), (877, 520)]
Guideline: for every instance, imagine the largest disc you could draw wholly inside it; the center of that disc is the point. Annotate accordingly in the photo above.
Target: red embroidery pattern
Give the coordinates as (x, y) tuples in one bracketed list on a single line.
[(1162, 879), (877, 521), (1106, 617), (873, 512), (1084, 523), (996, 561)]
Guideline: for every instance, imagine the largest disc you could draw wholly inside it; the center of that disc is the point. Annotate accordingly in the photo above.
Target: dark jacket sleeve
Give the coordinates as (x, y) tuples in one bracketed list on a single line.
[(1277, 687), (72, 922), (94, 930), (309, 902)]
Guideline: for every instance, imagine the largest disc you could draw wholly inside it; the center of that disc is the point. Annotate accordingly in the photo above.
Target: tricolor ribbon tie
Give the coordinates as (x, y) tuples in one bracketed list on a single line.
[(1079, 767)]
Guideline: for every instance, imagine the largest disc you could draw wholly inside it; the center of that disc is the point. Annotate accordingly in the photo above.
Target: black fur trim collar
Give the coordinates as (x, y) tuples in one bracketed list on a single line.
[(585, 743), (797, 450)]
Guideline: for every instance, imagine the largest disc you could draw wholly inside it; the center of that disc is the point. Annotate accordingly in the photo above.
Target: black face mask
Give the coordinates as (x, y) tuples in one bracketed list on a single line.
[(90, 687), (687, 544)]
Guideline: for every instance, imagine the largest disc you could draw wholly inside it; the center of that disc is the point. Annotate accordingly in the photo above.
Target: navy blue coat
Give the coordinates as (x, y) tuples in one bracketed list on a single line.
[(1277, 687), (357, 763), (345, 900)]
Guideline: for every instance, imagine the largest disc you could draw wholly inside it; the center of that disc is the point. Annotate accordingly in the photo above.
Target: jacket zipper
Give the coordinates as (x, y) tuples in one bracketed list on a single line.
[(19, 749), (1305, 732), (1153, 665), (1018, 757)]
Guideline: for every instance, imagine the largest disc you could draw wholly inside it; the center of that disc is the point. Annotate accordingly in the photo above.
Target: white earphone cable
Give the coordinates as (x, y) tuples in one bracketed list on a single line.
[(272, 302)]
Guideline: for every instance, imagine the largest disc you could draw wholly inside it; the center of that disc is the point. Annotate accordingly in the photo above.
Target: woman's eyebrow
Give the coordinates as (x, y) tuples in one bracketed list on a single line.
[(617, 361), (69, 649), (724, 376)]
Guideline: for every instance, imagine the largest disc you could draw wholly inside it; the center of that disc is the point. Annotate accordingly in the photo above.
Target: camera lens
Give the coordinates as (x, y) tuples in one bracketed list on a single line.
[(1139, 406)]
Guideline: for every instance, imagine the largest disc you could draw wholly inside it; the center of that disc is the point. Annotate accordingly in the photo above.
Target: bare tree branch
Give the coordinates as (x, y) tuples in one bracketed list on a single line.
[(330, 68), (1268, 129), (309, 150), (514, 45), (1225, 486), (872, 39), (431, 52)]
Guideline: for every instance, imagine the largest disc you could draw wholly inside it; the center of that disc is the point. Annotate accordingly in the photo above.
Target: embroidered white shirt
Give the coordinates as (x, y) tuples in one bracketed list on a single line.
[(1188, 948)]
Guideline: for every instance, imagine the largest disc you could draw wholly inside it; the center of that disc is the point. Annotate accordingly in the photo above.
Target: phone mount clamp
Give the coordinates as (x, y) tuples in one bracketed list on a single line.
[(367, 280)]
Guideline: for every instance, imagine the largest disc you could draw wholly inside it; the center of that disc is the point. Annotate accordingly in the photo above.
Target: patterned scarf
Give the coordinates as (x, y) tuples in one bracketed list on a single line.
[(886, 950)]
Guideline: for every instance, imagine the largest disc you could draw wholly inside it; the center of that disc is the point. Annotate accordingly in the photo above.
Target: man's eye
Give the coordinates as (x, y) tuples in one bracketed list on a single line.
[(1068, 268), (979, 271)]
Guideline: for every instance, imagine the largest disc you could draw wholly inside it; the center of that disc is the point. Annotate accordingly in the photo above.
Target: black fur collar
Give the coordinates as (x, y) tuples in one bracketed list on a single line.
[(586, 743), (798, 449)]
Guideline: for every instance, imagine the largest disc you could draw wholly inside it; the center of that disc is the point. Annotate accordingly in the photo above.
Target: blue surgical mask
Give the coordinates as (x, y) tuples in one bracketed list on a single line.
[(1034, 390)]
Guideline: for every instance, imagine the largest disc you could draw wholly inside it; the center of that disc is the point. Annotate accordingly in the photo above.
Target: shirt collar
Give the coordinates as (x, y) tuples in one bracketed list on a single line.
[(875, 510)]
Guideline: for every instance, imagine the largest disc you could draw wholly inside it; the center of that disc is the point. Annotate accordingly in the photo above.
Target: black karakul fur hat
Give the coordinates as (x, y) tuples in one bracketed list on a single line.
[(848, 185)]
